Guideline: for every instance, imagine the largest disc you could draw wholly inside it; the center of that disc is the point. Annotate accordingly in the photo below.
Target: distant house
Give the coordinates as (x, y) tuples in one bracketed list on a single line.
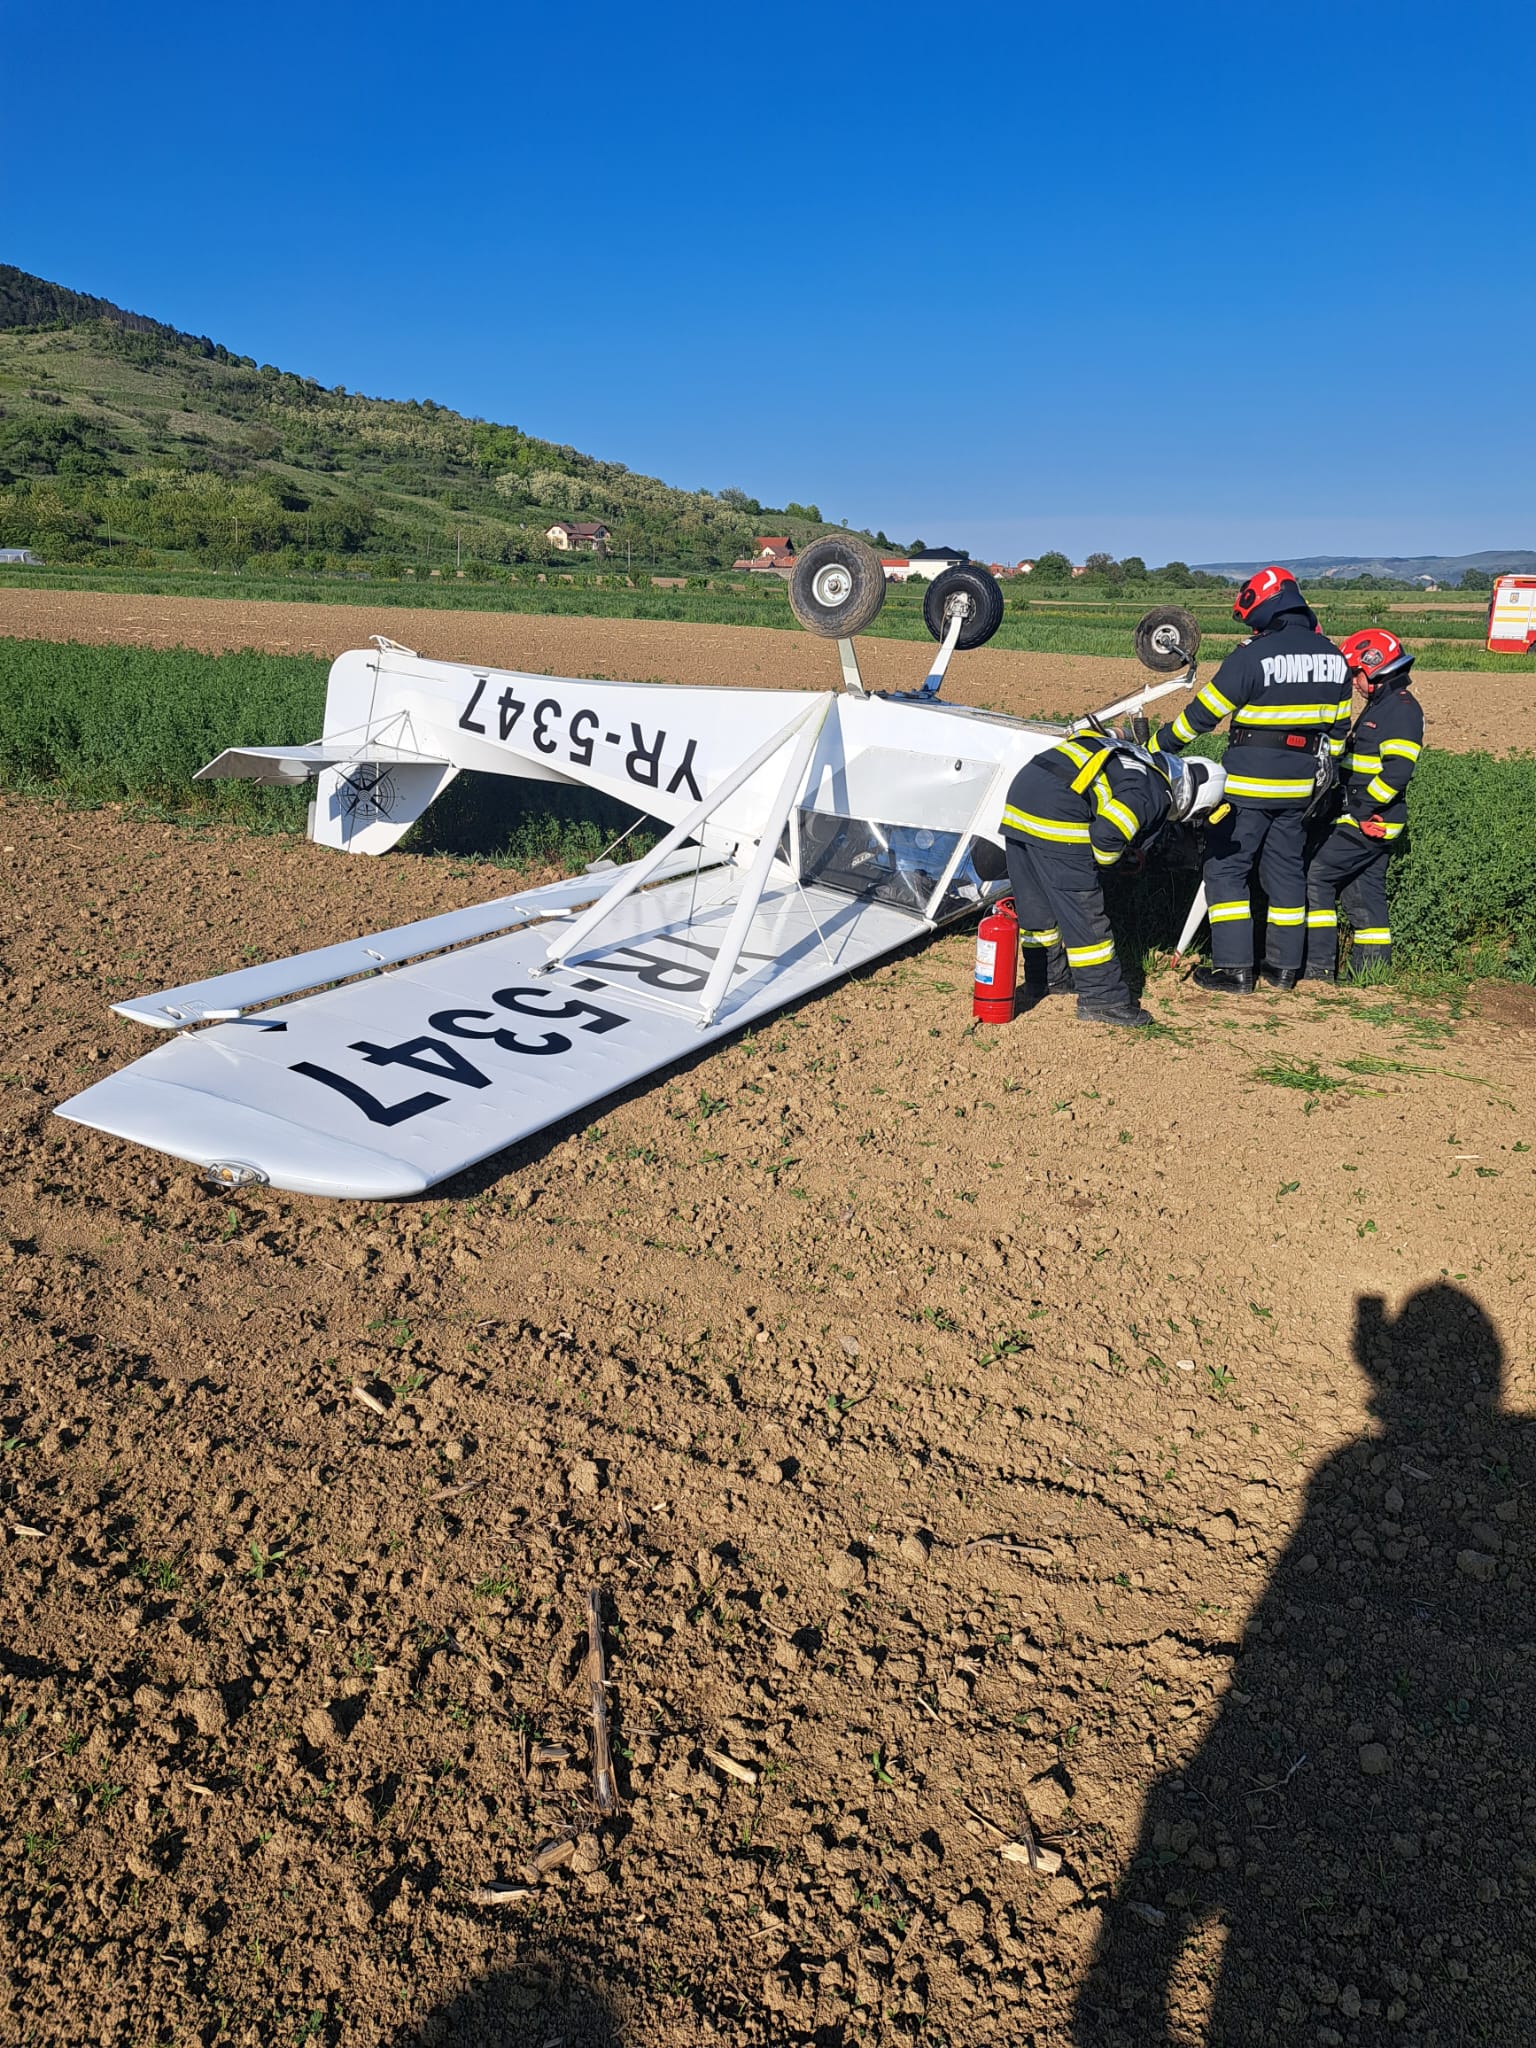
[(19, 556), (897, 568), (931, 562), (569, 534), (772, 555), (1079, 568), (1026, 569)]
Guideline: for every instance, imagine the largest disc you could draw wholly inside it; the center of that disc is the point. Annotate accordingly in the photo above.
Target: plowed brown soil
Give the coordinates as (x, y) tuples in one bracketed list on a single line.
[(977, 1437), (1464, 710)]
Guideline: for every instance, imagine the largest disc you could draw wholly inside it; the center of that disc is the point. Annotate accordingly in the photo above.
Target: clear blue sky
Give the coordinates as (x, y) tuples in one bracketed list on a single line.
[(1191, 281)]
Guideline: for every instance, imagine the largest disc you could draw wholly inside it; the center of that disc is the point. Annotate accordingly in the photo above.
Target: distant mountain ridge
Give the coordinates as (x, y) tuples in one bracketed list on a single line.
[(1341, 568)]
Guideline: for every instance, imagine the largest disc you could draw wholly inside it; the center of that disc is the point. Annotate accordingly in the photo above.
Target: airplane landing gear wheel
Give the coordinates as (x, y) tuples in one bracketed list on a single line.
[(972, 591), (1167, 639), (837, 586)]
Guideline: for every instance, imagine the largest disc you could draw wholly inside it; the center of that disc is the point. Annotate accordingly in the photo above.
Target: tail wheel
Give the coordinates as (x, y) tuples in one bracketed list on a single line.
[(1167, 639), (972, 592), (837, 586)]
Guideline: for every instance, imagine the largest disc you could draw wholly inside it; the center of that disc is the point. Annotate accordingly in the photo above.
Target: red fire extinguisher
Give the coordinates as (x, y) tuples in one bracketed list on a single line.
[(997, 964)]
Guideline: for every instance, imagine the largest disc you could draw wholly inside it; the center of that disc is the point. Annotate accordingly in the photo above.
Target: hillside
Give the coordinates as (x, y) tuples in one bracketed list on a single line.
[(126, 440), (1447, 569)]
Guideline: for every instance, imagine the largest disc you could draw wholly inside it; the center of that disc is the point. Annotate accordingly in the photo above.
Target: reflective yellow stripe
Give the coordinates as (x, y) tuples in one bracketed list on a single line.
[(1322, 920), (1364, 764), (1183, 731), (1286, 714), (1390, 826), (1075, 752), (1260, 785), (1015, 820), (1335, 747), (1109, 805), (1382, 790), (1091, 956), (1287, 916), (1408, 750), (1106, 860), (1049, 937), (1088, 771), (1378, 935), (1214, 701), (1229, 913)]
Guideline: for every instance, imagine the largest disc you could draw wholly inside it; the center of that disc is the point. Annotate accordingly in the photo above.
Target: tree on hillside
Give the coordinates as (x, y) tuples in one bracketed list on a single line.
[(1133, 569), (1053, 567), (1104, 568), (1172, 572), (1475, 579)]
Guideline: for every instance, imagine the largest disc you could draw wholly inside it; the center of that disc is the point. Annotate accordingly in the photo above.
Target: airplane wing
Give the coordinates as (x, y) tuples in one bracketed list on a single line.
[(384, 1087), (248, 988)]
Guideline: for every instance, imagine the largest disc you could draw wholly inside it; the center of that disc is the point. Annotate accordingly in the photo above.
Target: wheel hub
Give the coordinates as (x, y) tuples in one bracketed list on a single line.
[(832, 585)]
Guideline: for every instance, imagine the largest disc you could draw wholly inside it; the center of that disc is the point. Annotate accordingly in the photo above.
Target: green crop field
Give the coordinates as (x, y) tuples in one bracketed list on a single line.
[(89, 725)]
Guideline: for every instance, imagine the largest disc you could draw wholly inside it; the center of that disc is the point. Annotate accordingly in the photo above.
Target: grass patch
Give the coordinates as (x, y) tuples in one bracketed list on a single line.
[(1308, 1077)]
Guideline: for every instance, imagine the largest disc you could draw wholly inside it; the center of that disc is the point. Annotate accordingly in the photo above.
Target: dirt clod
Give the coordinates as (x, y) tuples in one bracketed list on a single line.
[(205, 1708), (320, 1729), (846, 1571)]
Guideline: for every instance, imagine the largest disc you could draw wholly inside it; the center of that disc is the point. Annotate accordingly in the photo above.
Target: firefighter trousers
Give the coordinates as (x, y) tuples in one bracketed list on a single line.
[(1274, 843), (1350, 866), (1063, 922)]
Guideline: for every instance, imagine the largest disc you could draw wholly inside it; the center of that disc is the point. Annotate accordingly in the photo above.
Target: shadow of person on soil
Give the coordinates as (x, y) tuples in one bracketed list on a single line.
[(1350, 1856), (514, 2009)]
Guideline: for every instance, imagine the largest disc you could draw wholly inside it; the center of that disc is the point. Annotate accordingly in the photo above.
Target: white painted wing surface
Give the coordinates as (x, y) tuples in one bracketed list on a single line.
[(384, 1087), (247, 988)]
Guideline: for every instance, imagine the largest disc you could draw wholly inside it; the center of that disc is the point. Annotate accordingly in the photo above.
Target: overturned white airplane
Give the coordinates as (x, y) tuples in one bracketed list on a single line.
[(809, 834)]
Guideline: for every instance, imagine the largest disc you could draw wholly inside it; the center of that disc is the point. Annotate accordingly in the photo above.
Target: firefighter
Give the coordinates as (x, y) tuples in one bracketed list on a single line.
[(1383, 750), (1071, 814), (1286, 691)]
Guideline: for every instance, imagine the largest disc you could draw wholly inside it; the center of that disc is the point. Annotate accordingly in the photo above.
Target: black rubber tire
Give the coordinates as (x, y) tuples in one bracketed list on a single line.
[(1167, 623), (980, 591), (837, 586)]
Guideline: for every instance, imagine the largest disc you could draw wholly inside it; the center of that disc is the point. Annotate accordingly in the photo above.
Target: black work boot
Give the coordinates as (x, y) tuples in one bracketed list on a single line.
[(1224, 981), (1279, 977), (1127, 1013), (1318, 972), (1032, 993)]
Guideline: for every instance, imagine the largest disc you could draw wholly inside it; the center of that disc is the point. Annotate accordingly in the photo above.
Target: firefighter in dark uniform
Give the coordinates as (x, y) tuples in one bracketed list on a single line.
[(1382, 753), (1071, 814), (1286, 692)]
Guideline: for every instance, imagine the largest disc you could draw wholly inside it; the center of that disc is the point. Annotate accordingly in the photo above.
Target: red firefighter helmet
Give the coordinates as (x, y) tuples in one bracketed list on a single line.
[(1261, 587), (1376, 659)]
